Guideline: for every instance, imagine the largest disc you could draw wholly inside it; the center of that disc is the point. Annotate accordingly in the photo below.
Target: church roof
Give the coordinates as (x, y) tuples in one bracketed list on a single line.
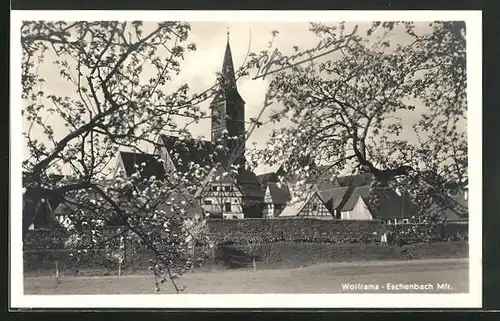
[(228, 68), (152, 167), (204, 153), (228, 89), (186, 151)]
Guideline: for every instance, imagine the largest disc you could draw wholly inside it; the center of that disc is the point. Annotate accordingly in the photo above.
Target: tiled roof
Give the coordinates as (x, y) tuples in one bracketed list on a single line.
[(357, 180), (186, 151), (151, 165), (391, 204), (279, 194), (363, 192), (333, 197), (266, 177), (293, 209)]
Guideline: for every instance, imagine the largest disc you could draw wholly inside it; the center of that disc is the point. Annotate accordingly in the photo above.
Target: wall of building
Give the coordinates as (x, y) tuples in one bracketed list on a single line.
[(225, 199), (315, 207), (359, 212)]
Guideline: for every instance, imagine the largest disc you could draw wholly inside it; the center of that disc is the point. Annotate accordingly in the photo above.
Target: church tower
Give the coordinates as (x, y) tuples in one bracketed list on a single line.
[(228, 111)]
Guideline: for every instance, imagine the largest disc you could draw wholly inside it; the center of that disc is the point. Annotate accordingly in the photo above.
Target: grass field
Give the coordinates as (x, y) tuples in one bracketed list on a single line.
[(281, 255), (318, 278)]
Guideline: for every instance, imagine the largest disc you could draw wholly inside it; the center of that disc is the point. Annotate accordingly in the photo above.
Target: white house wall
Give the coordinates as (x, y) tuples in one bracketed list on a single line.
[(220, 198), (359, 212)]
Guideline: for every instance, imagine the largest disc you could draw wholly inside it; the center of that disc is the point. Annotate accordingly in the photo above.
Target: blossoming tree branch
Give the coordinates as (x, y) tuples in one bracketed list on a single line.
[(122, 96), (350, 108)]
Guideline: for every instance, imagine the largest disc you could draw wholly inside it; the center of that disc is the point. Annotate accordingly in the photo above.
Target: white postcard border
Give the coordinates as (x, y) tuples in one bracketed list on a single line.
[(474, 93)]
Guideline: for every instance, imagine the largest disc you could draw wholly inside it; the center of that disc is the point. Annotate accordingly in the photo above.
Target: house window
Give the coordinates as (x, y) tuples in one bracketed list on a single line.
[(227, 188), (214, 188), (208, 202), (405, 221), (315, 207), (227, 207)]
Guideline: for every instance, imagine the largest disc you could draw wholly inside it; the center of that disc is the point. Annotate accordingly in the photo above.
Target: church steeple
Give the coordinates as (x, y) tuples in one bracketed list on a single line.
[(228, 73), (228, 109)]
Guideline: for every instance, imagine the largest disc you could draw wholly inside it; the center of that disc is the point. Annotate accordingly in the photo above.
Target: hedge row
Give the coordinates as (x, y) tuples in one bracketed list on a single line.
[(267, 255), (292, 230), (329, 231)]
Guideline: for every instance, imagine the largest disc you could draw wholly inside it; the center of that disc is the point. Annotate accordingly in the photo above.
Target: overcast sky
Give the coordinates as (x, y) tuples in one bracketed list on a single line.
[(200, 66)]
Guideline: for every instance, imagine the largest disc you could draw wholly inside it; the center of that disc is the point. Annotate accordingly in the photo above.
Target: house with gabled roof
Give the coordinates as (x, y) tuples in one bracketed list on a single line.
[(276, 197), (222, 197), (334, 198), (310, 206), (393, 208)]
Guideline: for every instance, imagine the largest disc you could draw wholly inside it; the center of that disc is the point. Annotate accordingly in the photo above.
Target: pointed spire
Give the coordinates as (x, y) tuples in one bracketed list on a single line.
[(228, 67)]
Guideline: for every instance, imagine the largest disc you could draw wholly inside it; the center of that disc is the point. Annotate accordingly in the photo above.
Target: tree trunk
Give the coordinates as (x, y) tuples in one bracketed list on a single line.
[(254, 264), (57, 269), (119, 269)]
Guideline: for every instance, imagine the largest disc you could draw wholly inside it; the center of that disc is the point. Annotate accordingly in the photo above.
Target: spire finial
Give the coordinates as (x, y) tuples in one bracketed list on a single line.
[(228, 34)]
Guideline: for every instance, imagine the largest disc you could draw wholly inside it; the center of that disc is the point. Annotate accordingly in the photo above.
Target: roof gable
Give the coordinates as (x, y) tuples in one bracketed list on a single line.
[(293, 209), (314, 199), (334, 197)]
